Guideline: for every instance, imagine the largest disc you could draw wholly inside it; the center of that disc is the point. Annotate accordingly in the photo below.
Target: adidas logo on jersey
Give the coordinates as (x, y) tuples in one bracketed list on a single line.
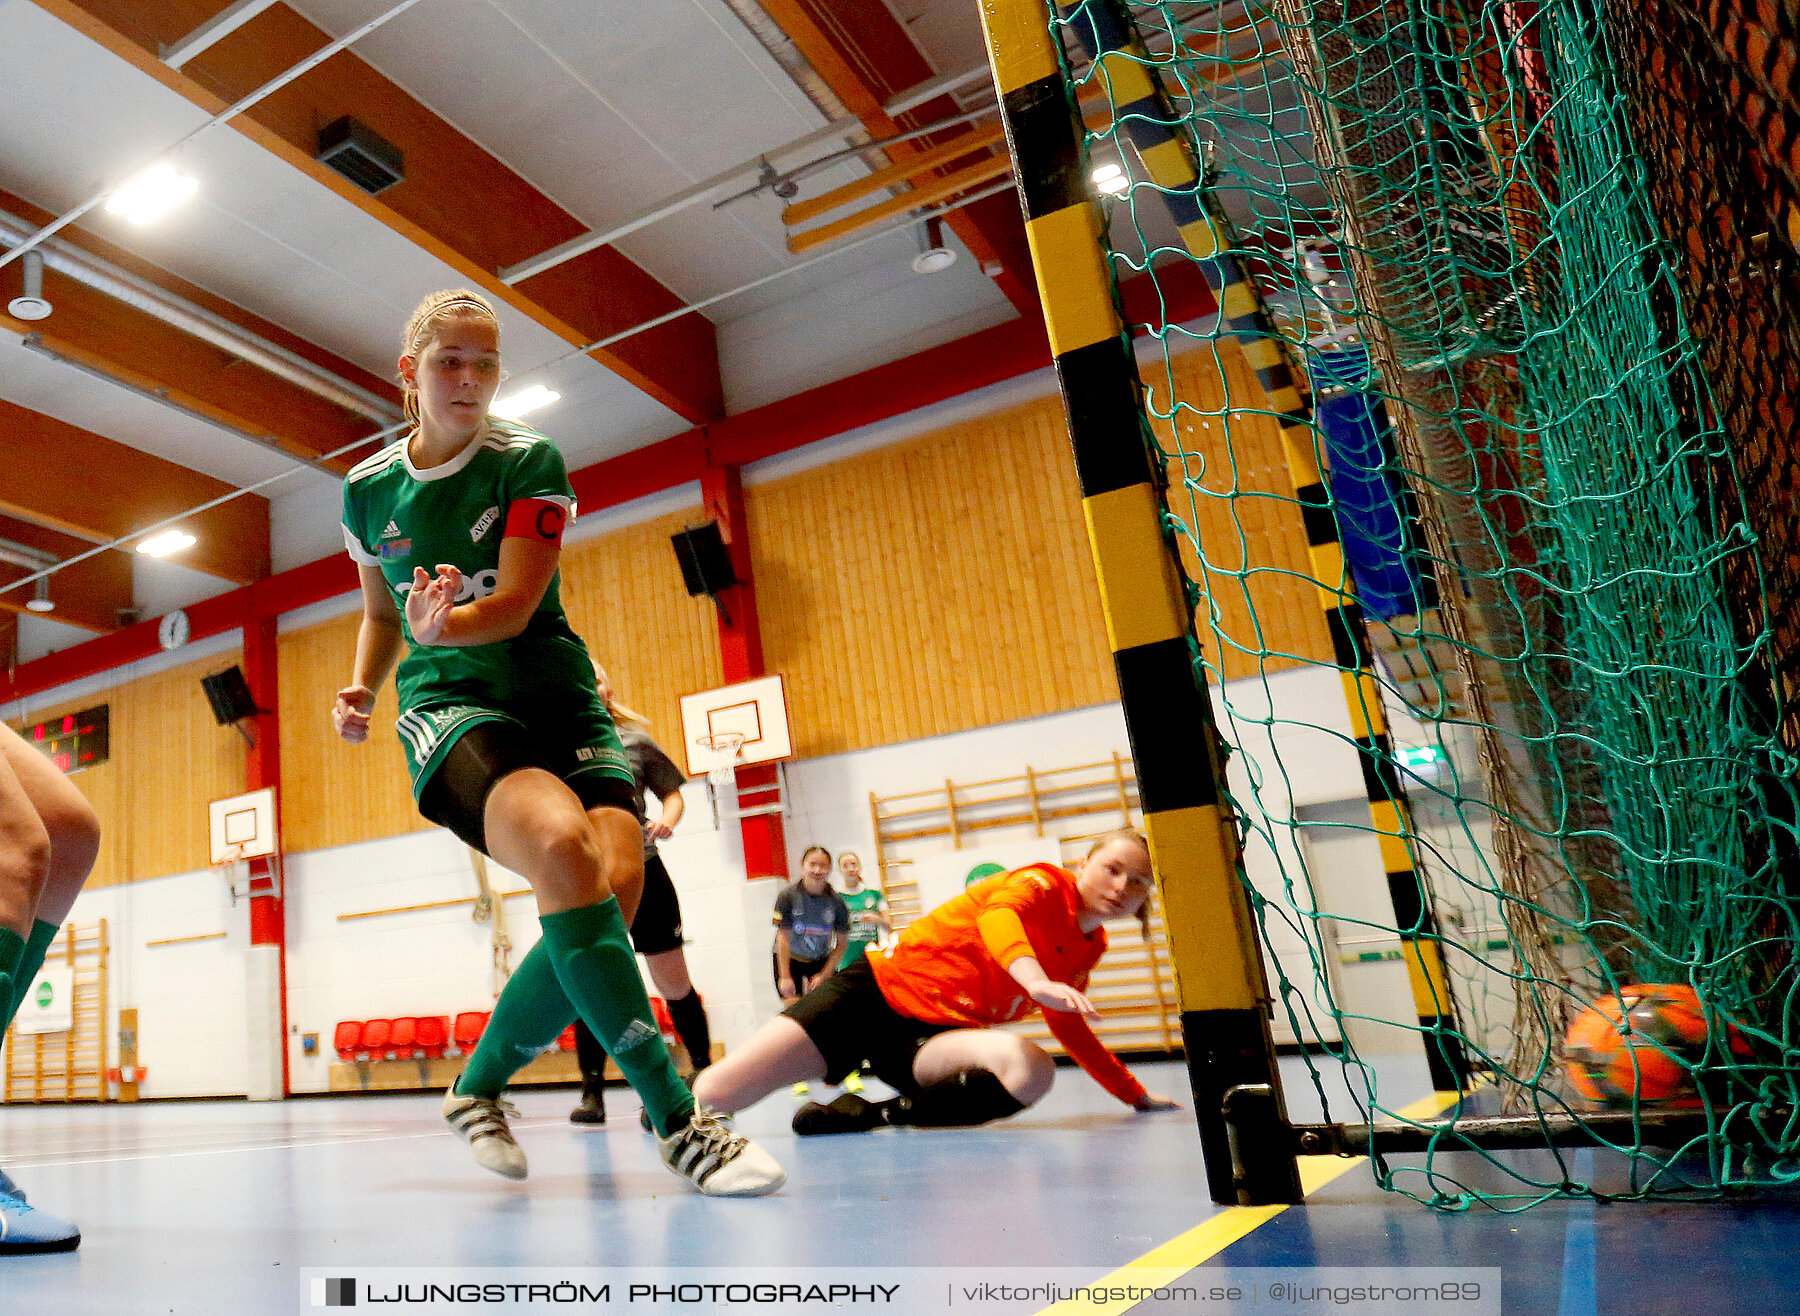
[(633, 1037), (483, 524), (393, 528)]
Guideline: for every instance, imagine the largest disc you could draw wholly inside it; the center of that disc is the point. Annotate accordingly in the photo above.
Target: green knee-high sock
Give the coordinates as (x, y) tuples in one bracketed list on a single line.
[(42, 934), (12, 952), (597, 968), (531, 1013)]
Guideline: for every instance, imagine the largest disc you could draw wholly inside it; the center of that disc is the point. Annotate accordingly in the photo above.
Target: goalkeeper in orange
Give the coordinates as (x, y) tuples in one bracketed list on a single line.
[(919, 1007)]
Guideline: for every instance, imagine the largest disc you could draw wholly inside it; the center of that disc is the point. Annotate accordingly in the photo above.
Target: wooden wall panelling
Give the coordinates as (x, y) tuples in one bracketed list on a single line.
[(334, 793), (930, 587), (168, 758), (177, 759), (624, 596), (103, 786), (1257, 575)]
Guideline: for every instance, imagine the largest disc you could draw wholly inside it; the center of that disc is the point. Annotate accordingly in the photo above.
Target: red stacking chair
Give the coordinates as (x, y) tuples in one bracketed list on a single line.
[(469, 1025), (433, 1035), (348, 1038), (375, 1038), (567, 1040), (402, 1039), (659, 1010)]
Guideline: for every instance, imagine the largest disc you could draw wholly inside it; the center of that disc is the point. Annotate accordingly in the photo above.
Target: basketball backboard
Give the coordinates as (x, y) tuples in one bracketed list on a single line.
[(756, 710), (243, 826)]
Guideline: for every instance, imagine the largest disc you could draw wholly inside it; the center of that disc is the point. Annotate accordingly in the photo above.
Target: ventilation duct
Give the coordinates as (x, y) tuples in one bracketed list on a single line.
[(103, 276), (361, 155)]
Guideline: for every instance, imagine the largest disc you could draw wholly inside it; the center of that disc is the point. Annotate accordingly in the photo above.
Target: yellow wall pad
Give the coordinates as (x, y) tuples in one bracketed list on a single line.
[(1138, 589), (1078, 308), (1206, 1240)]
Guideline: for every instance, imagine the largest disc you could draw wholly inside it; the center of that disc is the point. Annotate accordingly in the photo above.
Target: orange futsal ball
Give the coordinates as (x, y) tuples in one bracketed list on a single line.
[(1617, 1057)]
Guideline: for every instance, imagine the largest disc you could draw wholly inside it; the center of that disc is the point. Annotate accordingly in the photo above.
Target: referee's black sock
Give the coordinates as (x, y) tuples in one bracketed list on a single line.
[(689, 1017), (973, 1097)]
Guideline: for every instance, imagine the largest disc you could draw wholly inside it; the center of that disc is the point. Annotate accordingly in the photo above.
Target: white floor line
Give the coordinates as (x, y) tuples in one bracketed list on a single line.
[(28, 1163)]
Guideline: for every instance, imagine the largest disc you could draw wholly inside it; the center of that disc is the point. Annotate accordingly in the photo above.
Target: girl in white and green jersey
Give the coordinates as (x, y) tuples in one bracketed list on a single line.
[(456, 530)]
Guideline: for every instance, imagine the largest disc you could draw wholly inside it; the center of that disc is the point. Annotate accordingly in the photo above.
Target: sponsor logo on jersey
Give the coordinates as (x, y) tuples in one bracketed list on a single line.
[(477, 586), (483, 524), (393, 528), (392, 550)]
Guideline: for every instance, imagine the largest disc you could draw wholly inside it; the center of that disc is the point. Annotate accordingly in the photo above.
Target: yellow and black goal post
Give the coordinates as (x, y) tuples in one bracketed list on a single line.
[(1247, 1144), (1145, 115)]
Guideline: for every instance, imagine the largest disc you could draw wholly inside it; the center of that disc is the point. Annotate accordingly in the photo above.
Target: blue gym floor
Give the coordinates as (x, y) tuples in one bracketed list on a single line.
[(218, 1206)]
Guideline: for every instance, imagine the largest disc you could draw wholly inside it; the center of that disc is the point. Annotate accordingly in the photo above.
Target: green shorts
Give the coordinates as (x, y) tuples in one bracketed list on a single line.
[(576, 739)]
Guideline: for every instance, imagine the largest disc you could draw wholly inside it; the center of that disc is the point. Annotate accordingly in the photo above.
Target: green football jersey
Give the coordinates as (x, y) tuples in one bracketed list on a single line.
[(397, 517)]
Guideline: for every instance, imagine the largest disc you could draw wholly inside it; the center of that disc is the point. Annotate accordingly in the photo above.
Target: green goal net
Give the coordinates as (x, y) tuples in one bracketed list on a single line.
[(1475, 517)]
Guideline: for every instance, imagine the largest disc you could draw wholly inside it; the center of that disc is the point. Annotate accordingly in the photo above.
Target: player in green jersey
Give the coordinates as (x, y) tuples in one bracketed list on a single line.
[(868, 909), (49, 839), (456, 530)]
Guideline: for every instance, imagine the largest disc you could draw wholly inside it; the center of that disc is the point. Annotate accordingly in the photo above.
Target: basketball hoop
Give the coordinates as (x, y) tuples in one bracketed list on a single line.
[(724, 747), (227, 868)]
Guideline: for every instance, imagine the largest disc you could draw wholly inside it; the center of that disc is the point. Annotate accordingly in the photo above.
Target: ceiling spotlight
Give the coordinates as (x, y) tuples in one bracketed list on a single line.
[(1111, 178), (31, 304), (522, 402), (41, 601), (169, 541), (933, 254), (152, 192)]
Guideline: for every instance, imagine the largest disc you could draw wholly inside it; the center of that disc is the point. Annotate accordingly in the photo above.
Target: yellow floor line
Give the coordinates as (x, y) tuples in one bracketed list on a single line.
[(1213, 1235)]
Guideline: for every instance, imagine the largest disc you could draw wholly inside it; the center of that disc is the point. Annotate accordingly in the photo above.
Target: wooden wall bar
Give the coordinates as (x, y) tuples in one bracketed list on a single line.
[(933, 586)]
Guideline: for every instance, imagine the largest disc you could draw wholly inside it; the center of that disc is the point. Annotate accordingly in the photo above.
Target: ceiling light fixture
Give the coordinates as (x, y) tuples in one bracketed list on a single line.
[(41, 601), (152, 192), (523, 402), (1111, 178), (933, 255), (31, 304), (169, 541)]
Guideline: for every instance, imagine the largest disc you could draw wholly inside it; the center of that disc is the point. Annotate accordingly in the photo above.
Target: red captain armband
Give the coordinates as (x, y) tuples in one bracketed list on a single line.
[(537, 519)]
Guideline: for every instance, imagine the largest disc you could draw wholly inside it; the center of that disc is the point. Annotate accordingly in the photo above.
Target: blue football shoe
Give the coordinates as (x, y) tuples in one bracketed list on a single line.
[(24, 1228)]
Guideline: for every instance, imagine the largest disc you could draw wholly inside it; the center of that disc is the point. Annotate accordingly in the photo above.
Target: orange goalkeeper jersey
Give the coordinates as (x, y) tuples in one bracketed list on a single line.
[(950, 966)]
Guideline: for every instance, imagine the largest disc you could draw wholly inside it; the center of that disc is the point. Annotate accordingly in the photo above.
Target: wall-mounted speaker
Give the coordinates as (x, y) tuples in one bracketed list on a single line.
[(229, 694), (705, 562)]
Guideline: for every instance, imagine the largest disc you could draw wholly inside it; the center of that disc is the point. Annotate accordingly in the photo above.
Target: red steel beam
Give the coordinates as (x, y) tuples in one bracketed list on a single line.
[(741, 659)]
